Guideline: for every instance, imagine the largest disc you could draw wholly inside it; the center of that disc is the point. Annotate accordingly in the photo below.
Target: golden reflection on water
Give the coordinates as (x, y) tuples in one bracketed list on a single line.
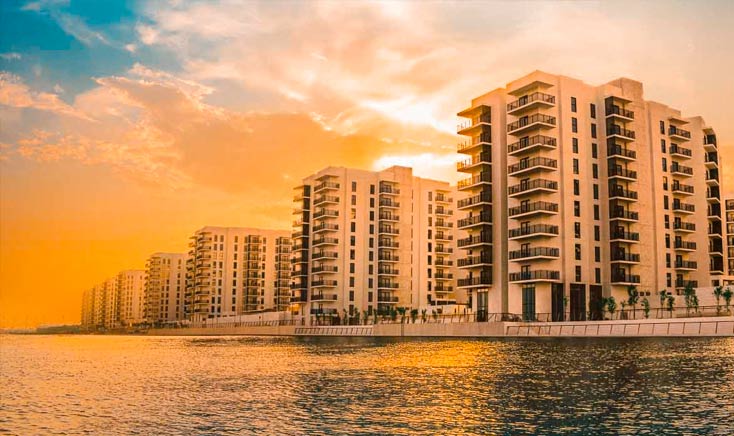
[(235, 385)]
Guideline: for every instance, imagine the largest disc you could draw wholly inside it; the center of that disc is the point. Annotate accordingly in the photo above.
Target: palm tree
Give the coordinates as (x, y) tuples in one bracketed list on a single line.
[(663, 298), (634, 296), (646, 307), (689, 293), (622, 314), (423, 315), (727, 297), (671, 302), (611, 306)]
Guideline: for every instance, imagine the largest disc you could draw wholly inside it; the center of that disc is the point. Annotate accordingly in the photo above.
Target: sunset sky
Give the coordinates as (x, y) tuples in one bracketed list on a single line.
[(125, 126)]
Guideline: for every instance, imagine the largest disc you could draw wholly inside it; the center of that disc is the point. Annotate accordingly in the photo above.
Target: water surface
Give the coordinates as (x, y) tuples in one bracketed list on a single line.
[(236, 385)]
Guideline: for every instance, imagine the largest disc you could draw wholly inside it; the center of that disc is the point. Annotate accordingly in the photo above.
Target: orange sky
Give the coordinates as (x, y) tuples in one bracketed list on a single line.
[(212, 113)]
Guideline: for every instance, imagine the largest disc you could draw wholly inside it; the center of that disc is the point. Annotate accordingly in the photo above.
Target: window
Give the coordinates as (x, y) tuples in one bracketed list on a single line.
[(667, 260), (352, 241), (577, 251), (354, 186), (667, 240), (597, 254), (594, 152), (351, 268), (573, 104), (596, 191), (593, 130), (371, 256), (575, 144), (668, 277), (351, 281), (662, 127), (574, 125), (578, 273), (595, 171), (351, 295), (370, 283), (372, 229), (353, 227), (662, 145), (596, 212), (369, 297), (576, 187), (577, 230), (597, 233), (575, 166), (430, 195), (351, 254), (372, 215), (667, 221), (665, 164), (666, 204), (372, 189), (354, 200), (593, 110), (372, 202), (597, 275), (665, 183), (577, 208)]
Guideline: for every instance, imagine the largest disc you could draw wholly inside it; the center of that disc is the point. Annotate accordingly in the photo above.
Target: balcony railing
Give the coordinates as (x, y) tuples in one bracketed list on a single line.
[(680, 187), (625, 235), (484, 157), (326, 185), (324, 269), (531, 98), (617, 150), (619, 277), (686, 264), (616, 110), (675, 131), (475, 281), (387, 189), (621, 256), (684, 245), (483, 217), (390, 230), (614, 129), (483, 258), (483, 197), (622, 172), (620, 192), (484, 177), (534, 275), (682, 225), (318, 283), (533, 185), (682, 151), (388, 271), (534, 252), (684, 207), (530, 120), (325, 213), (545, 229), (538, 206), (624, 214), (682, 169), (483, 238), (686, 283), (535, 140), (538, 162), (325, 226)]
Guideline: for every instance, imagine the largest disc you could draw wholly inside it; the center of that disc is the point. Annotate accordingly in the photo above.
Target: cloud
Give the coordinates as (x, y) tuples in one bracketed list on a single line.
[(71, 24), (10, 56), (14, 93)]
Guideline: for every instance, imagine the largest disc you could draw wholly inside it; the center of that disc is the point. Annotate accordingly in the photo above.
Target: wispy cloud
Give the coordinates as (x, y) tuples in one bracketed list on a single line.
[(15, 93), (11, 56)]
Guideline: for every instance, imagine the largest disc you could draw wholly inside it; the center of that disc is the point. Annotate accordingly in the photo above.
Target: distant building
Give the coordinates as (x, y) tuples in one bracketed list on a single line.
[(373, 241), (237, 270), (165, 276), (579, 192), (131, 297)]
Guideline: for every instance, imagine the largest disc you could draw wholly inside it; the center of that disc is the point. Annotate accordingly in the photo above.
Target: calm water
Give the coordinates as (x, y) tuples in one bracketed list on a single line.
[(145, 385)]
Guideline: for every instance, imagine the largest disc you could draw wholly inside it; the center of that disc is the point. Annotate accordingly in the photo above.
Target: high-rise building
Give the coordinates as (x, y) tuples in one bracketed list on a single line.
[(131, 302), (110, 308), (729, 213), (579, 192), (165, 277), (372, 241), (88, 305), (237, 270)]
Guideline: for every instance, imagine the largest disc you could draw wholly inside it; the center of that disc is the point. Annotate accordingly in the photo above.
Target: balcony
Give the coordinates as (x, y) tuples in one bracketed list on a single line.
[(388, 243), (533, 231), (622, 278), (685, 208), (625, 257), (619, 152), (325, 213), (443, 211), (680, 283), (324, 255), (482, 199), (440, 249), (483, 259), (387, 257), (475, 240), (684, 245), (709, 142), (326, 199), (681, 170), (441, 236), (388, 230), (711, 160), (386, 284), (326, 186), (484, 178), (325, 241), (616, 172), (325, 227), (622, 235), (389, 203), (532, 187), (387, 299), (323, 297), (682, 189), (531, 165), (535, 276), (323, 283), (443, 276), (619, 132), (388, 271), (484, 280), (527, 123), (682, 226), (621, 214), (713, 195), (483, 158), (389, 189), (686, 265), (531, 143), (712, 177), (324, 269), (614, 111), (535, 208), (476, 143), (477, 123), (678, 133), (677, 150), (443, 224), (386, 216), (484, 217), (533, 100), (443, 198), (619, 193), (535, 253)]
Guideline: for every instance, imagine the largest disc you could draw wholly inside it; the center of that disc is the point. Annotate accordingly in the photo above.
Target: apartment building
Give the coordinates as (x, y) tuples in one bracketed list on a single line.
[(88, 307), (577, 192), (131, 301), (729, 204), (110, 308), (237, 270), (373, 241), (99, 306), (165, 281)]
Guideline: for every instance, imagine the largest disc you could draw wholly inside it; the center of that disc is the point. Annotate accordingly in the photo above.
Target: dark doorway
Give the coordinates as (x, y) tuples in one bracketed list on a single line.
[(578, 302), (595, 302), (528, 303), (557, 302)]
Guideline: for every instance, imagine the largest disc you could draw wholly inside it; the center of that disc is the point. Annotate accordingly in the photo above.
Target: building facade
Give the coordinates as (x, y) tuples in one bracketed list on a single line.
[(165, 281), (729, 216), (368, 241), (237, 270), (131, 301), (579, 192)]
